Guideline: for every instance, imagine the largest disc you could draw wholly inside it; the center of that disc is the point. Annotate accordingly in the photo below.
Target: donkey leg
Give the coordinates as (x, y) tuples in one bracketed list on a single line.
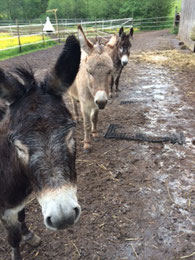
[(75, 109), (28, 236), (117, 81), (94, 120), (87, 128), (14, 239), (111, 87), (14, 236)]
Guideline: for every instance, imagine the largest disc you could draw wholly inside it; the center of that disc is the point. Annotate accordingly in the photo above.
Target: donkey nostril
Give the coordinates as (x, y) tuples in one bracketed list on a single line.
[(49, 222), (101, 104), (77, 212)]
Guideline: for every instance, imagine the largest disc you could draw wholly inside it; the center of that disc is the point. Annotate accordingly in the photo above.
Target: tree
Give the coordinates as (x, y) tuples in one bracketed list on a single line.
[(146, 8), (23, 9), (70, 8), (30, 9)]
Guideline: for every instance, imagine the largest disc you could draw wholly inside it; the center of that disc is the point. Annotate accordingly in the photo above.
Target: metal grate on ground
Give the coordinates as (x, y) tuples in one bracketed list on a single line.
[(111, 133)]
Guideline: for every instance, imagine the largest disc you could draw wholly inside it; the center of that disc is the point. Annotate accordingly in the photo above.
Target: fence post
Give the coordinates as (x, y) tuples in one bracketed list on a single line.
[(18, 33), (96, 26), (56, 18), (43, 36)]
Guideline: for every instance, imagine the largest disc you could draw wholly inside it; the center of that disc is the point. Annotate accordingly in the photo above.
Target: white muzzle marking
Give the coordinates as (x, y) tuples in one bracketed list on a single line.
[(101, 99), (100, 96), (124, 60), (60, 207)]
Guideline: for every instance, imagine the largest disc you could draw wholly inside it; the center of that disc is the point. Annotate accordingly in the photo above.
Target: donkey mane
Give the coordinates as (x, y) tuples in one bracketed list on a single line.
[(27, 75), (20, 81)]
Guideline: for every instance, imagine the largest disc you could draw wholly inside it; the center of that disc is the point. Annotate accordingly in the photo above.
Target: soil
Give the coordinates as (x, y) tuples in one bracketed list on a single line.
[(137, 197)]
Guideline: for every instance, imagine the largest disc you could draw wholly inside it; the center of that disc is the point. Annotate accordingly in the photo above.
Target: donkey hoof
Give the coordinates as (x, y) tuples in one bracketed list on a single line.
[(87, 147), (32, 239), (87, 150), (35, 241), (96, 136), (15, 254), (96, 139)]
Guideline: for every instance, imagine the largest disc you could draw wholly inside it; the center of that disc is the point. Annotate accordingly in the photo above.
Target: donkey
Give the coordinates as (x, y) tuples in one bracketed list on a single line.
[(91, 87), (3, 108), (119, 49), (37, 148)]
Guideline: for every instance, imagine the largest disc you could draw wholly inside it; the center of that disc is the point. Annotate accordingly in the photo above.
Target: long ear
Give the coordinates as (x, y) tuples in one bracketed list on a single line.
[(10, 88), (66, 67), (113, 41), (131, 32), (86, 45), (120, 31)]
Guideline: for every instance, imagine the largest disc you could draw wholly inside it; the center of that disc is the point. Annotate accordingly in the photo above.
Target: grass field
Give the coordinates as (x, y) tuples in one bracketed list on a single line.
[(36, 43)]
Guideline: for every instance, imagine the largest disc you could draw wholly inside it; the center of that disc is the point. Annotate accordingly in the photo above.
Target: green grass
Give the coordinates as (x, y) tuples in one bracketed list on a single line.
[(174, 30), (25, 49)]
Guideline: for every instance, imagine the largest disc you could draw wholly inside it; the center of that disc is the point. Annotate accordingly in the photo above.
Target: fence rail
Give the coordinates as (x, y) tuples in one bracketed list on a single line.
[(21, 29)]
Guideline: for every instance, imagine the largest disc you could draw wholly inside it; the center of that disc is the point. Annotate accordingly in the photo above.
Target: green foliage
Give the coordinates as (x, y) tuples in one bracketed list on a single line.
[(22, 9), (146, 8), (69, 8), (104, 8), (31, 9)]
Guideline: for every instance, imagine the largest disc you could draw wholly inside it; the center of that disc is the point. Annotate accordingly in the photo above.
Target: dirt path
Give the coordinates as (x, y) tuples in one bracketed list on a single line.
[(137, 197)]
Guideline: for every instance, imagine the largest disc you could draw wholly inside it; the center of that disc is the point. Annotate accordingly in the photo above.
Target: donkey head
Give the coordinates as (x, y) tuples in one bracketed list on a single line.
[(41, 132), (124, 45), (98, 66)]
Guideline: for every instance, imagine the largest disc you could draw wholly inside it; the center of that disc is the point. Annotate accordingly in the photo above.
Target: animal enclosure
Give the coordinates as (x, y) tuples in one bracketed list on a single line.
[(21, 34), (137, 197)]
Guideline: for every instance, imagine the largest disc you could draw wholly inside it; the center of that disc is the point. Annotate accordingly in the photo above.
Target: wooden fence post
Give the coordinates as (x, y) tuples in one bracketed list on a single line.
[(43, 36), (18, 33), (57, 25)]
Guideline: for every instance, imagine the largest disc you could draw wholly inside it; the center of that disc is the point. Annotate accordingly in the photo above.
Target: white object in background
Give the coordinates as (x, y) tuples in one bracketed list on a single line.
[(48, 27)]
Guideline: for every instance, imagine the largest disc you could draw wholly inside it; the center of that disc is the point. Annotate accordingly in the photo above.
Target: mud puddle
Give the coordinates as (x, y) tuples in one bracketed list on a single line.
[(169, 199)]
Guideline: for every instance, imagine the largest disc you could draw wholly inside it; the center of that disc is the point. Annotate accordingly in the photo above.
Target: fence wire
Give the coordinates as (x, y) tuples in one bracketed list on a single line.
[(21, 29)]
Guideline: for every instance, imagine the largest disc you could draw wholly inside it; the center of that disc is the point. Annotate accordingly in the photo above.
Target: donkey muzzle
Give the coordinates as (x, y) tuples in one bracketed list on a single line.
[(101, 104), (63, 220), (101, 99), (124, 60), (60, 208)]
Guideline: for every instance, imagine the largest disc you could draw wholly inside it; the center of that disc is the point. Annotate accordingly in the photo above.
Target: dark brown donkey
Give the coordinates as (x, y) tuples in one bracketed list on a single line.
[(37, 149), (118, 48)]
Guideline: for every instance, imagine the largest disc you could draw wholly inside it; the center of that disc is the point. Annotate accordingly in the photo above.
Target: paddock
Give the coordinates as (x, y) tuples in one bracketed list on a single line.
[(137, 197)]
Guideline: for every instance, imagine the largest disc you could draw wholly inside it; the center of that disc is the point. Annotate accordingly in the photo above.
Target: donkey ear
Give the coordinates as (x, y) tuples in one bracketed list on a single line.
[(113, 41), (120, 31), (86, 45), (10, 88), (131, 32), (66, 67)]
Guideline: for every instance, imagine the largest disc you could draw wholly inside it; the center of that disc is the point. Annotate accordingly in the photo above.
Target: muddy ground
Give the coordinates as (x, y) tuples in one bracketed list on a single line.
[(137, 198)]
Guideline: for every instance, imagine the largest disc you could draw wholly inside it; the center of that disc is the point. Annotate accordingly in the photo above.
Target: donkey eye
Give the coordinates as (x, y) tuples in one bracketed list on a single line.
[(90, 73), (70, 141), (22, 151)]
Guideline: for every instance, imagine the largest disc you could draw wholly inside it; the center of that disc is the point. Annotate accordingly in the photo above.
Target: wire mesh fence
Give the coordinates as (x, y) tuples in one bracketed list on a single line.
[(19, 34)]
